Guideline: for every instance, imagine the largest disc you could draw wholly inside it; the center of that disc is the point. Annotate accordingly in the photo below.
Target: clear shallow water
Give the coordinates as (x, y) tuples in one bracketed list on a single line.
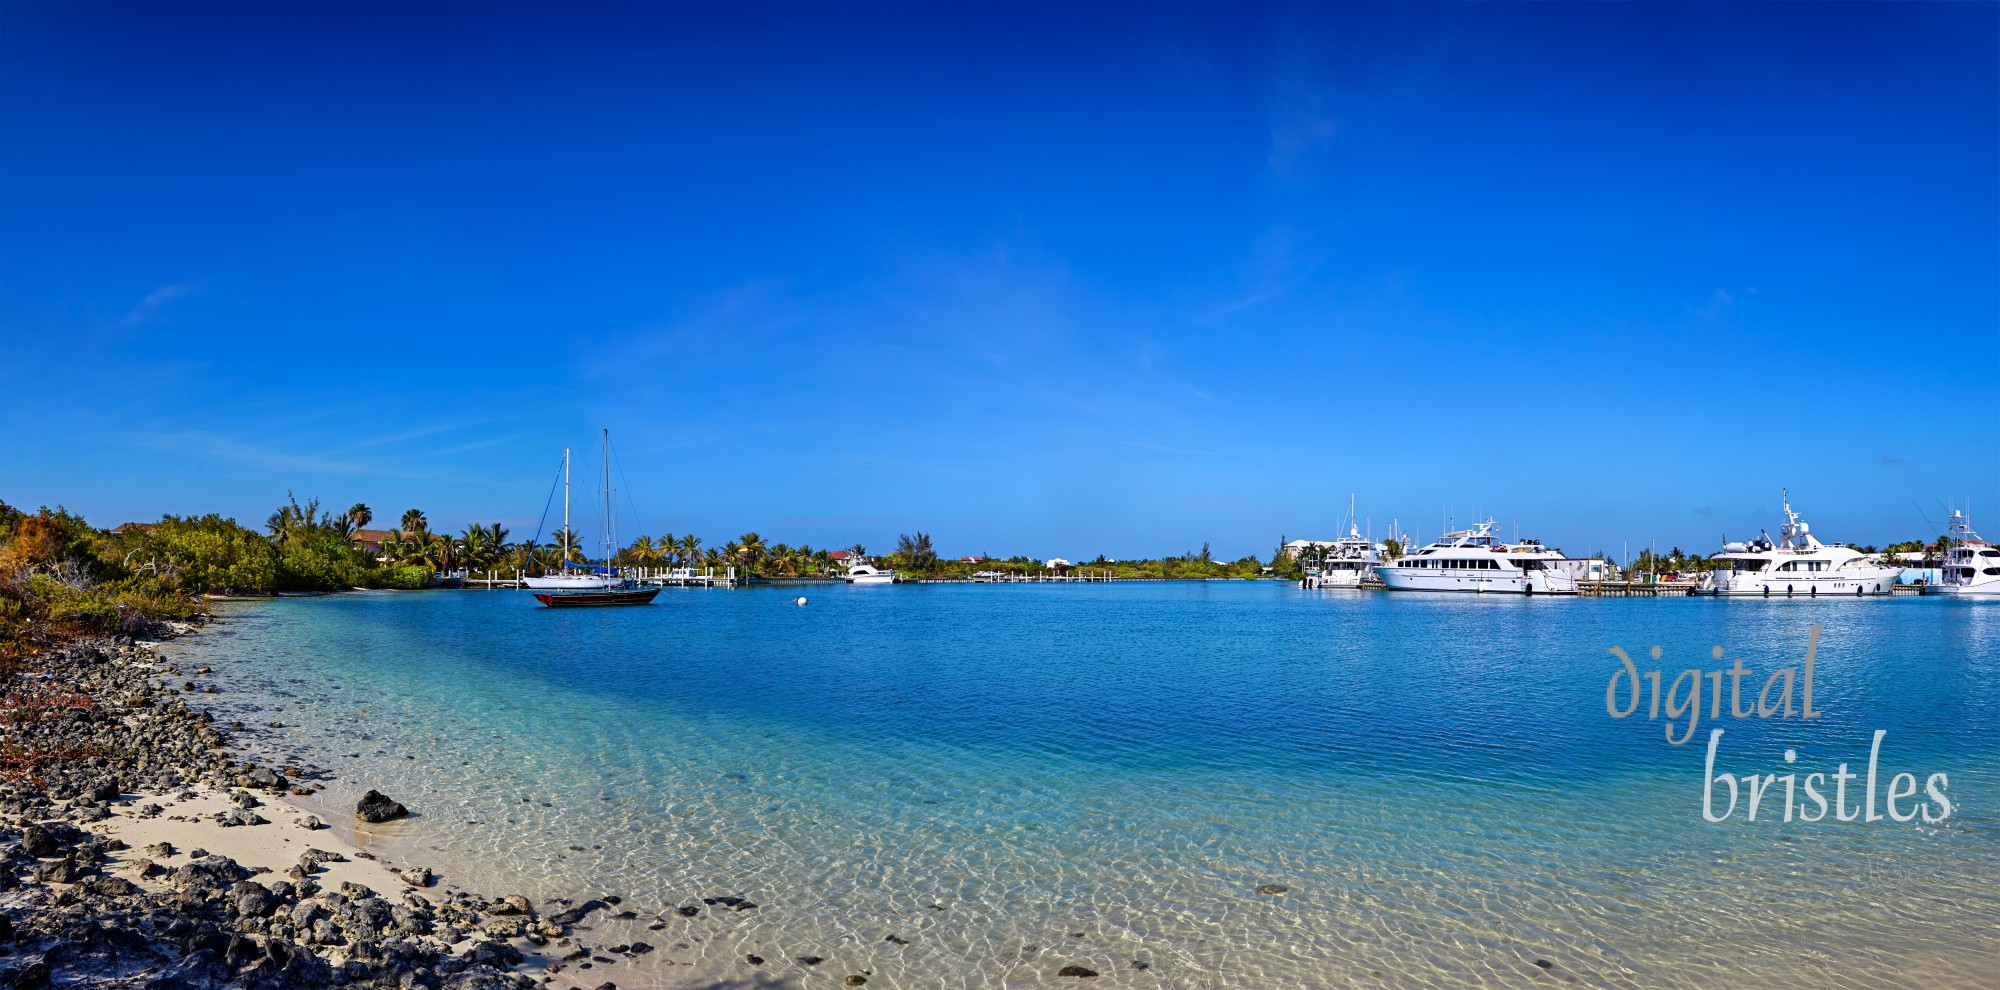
[(1018, 778)]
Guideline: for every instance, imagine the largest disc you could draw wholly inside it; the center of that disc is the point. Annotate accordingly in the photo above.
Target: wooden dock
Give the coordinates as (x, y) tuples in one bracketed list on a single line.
[(1636, 589)]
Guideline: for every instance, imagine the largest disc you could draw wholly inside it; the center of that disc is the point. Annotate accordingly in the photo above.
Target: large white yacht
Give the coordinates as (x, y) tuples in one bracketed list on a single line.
[(1971, 565), (1343, 564), (1798, 565), (1474, 560)]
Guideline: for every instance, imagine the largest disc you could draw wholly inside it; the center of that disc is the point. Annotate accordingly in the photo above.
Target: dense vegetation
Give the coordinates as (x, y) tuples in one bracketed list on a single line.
[(61, 577)]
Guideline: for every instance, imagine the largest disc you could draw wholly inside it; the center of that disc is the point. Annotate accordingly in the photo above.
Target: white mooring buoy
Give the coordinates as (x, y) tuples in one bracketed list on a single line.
[(801, 602)]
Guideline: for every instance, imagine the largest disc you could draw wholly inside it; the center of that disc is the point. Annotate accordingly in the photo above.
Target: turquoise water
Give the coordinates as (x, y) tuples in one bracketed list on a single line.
[(1017, 778)]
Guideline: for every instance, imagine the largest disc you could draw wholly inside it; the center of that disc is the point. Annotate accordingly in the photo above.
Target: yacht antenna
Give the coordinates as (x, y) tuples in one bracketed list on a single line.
[(1927, 518)]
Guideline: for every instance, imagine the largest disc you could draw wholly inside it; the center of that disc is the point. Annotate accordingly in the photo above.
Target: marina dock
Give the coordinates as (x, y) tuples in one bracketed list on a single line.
[(1636, 589)]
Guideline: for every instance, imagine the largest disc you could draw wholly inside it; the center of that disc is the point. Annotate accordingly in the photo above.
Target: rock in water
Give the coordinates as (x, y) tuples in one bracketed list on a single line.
[(1273, 889), (1076, 971), (378, 807)]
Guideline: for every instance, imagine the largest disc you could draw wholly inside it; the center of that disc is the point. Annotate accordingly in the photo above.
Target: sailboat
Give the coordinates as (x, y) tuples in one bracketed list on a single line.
[(601, 585)]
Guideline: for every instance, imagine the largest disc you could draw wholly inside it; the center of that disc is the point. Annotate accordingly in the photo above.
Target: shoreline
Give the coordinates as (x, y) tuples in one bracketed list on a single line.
[(154, 854)]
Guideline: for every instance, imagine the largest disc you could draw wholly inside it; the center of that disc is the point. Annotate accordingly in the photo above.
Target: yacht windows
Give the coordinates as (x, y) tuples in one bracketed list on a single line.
[(1989, 553), (1993, 570)]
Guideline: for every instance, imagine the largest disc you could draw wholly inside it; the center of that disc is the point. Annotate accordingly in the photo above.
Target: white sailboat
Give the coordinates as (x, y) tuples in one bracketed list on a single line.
[(569, 579)]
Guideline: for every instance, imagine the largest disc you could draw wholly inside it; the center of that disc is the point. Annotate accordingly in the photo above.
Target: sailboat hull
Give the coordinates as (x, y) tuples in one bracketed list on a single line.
[(586, 599)]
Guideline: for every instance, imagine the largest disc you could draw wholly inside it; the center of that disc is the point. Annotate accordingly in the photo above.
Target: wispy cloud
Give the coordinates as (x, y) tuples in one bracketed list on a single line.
[(1718, 305), (209, 445), (202, 444), (150, 307), (1164, 449), (1237, 305), (1887, 460), (1301, 125)]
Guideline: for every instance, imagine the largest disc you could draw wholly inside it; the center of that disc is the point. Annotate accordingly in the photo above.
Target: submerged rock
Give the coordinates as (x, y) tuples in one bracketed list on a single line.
[(376, 807), (578, 913), (1076, 971)]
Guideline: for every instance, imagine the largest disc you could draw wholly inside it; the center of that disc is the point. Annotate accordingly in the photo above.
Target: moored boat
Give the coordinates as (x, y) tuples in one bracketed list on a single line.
[(599, 585), (1345, 562), (586, 599), (866, 573), (1971, 565), (1798, 565), (1475, 561)]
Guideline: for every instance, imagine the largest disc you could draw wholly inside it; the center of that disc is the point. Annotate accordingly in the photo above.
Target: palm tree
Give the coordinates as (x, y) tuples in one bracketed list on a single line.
[(441, 553), (480, 550), (280, 524), (690, 549), (414, 522), (750, 550), (642, 550), (563, 544), (361, 514)]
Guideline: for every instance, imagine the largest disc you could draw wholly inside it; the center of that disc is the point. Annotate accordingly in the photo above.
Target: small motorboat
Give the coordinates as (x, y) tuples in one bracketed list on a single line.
[(580, 599), (866, 573)]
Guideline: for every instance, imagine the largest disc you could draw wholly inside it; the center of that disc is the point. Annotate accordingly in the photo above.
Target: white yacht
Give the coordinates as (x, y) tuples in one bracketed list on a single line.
[(1971, 565), (1798, 565), (1343, 564), (1474, 560), (866, 573)]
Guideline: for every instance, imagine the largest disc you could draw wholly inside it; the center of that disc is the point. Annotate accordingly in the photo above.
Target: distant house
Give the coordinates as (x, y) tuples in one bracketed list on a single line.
[(840, 557), (1299, 548), (133, 528), (970, 560), (1057, 563), (371, 540)]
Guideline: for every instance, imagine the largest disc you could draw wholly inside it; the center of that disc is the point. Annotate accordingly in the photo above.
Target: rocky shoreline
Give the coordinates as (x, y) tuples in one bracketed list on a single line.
[(107, 878)]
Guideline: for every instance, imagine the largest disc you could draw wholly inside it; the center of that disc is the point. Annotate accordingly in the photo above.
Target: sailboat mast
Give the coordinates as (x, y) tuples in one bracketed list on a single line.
[(565, 549), (607, 497)]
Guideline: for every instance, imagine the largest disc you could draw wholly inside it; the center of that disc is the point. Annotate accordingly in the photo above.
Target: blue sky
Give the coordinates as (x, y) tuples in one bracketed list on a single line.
[(1033, 279)]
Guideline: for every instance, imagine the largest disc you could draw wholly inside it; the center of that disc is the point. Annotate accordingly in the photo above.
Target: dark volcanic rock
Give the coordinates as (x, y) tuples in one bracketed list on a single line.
[(497, 954), (378, 807), (48, 838), (578, 913), (1076, 971), (252, 900)]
